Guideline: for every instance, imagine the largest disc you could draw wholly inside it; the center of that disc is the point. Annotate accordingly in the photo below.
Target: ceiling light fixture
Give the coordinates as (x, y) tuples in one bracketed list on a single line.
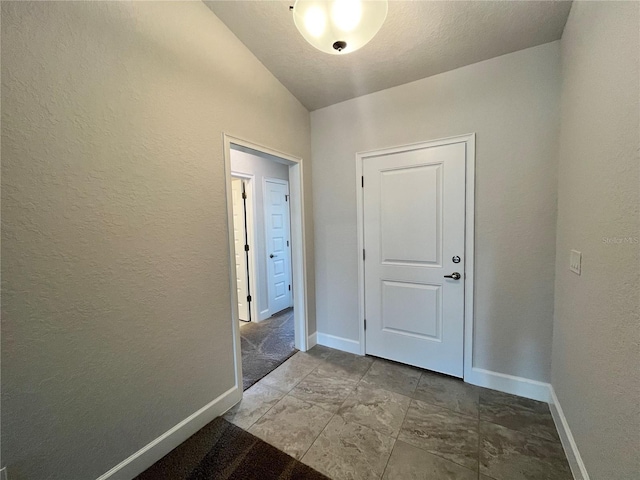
[(339, 26)]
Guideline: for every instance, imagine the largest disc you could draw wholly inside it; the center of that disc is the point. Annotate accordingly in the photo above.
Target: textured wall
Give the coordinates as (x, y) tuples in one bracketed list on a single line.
[(115, 302), (596, 337), (511, 102), (260, 167)]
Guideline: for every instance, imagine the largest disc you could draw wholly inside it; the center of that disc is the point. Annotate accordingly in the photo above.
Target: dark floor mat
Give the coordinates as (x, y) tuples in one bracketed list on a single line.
[(265, 346), (222, 451)]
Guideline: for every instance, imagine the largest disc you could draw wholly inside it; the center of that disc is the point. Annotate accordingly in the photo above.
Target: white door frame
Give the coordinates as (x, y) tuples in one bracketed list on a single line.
[(250, 208), (470, 143), (298, 246), (266, 232)]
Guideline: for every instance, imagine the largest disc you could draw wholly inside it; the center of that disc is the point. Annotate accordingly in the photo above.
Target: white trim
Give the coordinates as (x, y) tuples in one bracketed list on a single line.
[(298, 250), (470, 141), (502, 382), (578, 468), (312, 340), (158, 448), (469, 261), (360, 225), (253, 241), (298, 255), (339, 343)]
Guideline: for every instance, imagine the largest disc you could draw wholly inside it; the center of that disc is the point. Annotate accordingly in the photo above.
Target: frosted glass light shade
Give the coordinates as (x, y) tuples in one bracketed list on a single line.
[(339, 26)]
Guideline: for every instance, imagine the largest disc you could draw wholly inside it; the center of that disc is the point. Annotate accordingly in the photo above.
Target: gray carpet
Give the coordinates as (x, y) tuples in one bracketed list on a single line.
[(266, 345), (222, 451)]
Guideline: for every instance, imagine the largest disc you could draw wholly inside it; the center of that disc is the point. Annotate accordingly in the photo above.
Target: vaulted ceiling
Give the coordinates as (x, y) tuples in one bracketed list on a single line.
[(417, 40)]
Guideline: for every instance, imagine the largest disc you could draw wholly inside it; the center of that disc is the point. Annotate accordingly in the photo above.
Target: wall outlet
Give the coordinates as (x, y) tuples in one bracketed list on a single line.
[(575, 262)]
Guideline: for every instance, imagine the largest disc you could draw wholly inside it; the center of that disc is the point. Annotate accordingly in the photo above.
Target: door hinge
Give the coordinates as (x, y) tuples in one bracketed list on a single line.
[(286, 198), (248, 298), (289, 287), (365, 323), (362, 181), (244, 196), (363, 255), (246, 248), (287, 243)]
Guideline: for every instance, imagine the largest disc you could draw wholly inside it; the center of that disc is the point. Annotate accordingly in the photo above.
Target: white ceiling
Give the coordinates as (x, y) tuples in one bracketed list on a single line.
[(417, 40)]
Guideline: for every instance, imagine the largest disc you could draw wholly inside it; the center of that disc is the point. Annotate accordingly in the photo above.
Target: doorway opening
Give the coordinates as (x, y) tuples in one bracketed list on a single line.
[(266, 238)]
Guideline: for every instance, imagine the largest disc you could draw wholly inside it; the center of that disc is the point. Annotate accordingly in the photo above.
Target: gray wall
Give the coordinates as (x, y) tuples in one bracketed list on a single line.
[(596, 351), (116, 321), (511, 102), (260, 167)]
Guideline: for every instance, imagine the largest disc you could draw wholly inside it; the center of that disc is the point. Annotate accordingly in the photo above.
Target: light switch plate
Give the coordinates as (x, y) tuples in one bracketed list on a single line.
[(575, 261)]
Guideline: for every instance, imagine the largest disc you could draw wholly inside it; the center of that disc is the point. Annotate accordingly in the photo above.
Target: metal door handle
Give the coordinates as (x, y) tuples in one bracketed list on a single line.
[(272, 255), (454, 275)]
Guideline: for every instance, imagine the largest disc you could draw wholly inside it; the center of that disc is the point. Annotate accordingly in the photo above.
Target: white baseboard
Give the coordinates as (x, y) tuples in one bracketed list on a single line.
[(158, 448), (566, 437), (502, 382), (312, 340), (339, 343)]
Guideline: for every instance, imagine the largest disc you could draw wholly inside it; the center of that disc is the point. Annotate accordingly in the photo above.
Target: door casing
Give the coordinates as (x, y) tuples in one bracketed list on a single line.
[(469, 140)]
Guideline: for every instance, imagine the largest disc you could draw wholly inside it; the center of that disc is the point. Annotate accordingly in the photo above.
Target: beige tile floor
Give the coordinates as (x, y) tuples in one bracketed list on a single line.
[(353, 417)]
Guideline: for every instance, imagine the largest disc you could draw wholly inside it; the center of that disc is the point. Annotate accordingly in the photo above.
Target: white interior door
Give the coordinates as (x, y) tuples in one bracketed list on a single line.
[(278, 245), (239, 235), (414, 217)]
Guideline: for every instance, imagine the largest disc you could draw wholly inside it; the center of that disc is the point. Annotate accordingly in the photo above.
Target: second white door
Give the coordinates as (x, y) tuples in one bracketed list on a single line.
[(414, 238), (240, 240), (276, 204)]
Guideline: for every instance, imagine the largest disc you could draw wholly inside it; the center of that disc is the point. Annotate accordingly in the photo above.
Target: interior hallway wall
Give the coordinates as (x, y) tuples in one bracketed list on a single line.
[(596, 337), (116, 310), (243, 161), (512, 103)]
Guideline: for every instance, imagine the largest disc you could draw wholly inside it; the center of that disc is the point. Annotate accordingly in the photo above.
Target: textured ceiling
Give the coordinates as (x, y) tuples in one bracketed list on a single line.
[(417, 40)]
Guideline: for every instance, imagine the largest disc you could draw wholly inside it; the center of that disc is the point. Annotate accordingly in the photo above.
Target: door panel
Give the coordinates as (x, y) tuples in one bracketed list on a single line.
[(415, 237), (414, 213), (278, 250), (412, 309), (239, 236)]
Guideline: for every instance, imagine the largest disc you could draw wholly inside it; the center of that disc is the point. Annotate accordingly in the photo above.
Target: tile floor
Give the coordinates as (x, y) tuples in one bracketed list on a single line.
[(266, 345), (353, 417)]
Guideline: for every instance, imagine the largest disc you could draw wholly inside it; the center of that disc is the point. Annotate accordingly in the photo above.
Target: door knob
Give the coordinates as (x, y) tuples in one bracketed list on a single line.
[(454, 275), (271, 256)]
